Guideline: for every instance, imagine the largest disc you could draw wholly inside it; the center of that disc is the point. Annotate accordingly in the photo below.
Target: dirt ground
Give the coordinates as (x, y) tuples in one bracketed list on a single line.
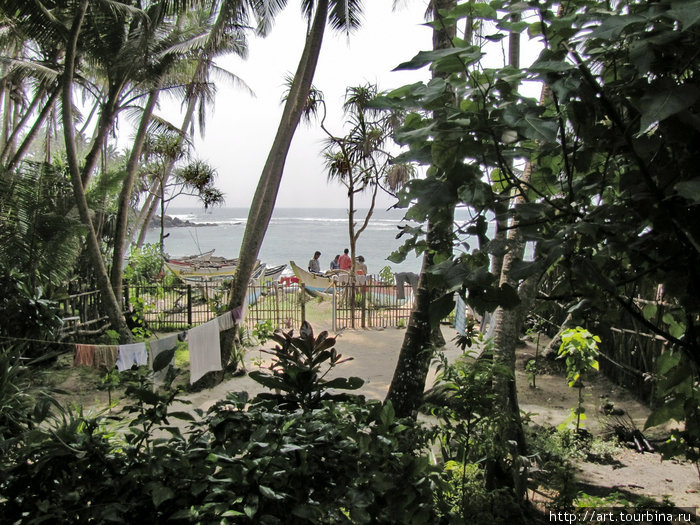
[(375, 353)]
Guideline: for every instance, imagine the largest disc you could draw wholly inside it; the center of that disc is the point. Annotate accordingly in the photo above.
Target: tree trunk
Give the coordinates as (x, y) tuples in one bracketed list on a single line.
[(143, 215), (33, 131), (122, 220), (263, 203), (150, 213), (423, 331), (110, 303), (17, 129), (107, 114)]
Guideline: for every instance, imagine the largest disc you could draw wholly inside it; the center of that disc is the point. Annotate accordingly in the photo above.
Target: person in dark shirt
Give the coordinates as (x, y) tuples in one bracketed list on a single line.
[(314, 265)]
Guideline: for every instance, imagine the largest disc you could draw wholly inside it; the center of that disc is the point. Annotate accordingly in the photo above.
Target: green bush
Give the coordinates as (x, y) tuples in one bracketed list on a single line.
[(244, 462), (29, 317), (145, 264)]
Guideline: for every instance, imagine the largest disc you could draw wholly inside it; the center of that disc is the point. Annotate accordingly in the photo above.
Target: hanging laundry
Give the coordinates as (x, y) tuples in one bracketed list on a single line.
[(158, 346), (106, 356), (226, 321), (84, 355), (205, 350), (460, 315), (130, 355)]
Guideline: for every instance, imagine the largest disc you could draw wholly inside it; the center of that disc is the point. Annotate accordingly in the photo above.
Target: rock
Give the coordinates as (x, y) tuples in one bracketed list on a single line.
[(175, 222)]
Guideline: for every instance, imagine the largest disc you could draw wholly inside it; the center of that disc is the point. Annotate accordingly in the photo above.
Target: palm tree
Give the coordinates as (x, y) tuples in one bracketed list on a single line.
[(110, 303), (227, 23), (183, 40), (342, 14), (359, 160)]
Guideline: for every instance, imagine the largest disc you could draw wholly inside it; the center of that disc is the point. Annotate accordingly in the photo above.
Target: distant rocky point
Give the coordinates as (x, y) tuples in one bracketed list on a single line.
[(174, 222)]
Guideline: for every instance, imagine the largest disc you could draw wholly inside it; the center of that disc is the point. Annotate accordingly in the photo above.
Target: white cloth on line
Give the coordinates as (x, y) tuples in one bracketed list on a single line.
[(130, 355), (205, 350), (226, 321)]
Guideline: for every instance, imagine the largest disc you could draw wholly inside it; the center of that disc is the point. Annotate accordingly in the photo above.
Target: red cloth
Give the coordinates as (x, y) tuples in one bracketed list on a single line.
[(344, 262), (84, 355)]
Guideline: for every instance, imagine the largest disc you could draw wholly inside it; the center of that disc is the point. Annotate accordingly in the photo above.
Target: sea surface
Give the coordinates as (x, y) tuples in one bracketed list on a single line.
[(294, 234)]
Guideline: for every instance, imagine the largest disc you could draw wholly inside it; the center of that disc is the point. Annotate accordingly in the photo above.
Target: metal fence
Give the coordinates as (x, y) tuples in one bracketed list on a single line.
[(371, 305)]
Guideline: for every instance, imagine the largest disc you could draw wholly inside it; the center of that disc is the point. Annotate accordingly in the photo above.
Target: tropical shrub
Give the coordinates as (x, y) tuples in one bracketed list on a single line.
[(29, 317), (579, 349), (145, 264), (245, 462), (297, 369)]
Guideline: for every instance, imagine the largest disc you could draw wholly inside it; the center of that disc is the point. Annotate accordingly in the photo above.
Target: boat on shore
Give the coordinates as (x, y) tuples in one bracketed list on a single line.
[(315, 285)]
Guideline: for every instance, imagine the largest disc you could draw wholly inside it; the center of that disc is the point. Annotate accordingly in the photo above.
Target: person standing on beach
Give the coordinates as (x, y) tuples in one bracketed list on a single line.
[(334, 263), (361, 266), (344, 261), (314, 265)]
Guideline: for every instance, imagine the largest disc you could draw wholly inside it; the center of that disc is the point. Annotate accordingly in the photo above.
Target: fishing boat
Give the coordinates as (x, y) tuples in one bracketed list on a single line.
[(203, 257), (273, 274), (316, 285), (204, 266)]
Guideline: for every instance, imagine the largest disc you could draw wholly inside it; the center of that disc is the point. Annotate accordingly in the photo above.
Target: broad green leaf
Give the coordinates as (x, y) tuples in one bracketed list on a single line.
[(666, 361), (551, 66), (656, 107), (612, 27), (345, 383), (163, 359), (538, 129), (649, 311), (268, 493), (423, 58), (690, 189), (479, 10), (160, 493), (185, 416), (687, 13)]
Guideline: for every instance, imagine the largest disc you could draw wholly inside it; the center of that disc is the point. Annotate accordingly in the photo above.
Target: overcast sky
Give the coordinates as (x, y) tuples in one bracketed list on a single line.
[(240, 128)]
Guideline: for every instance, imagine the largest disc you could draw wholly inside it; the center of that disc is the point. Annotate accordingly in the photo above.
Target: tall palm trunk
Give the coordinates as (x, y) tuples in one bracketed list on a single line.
[(263, 203), (110, 303), (17, 129), (143, 216), (422, 333), (125, 195), (34, 130), (107, 115), (153, 200)]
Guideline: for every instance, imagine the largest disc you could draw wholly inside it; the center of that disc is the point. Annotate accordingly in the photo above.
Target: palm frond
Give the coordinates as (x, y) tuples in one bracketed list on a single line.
[(265, 12), (345, 15), (40, 234)]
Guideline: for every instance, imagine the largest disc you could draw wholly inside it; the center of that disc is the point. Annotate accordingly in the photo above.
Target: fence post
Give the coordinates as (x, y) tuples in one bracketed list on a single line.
[(276, 287), (126, 296), (189, 304), (302, 297), (334, 322), (364, 292)]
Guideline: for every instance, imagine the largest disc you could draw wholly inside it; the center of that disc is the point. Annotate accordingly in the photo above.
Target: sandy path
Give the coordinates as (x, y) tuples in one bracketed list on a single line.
[(374, 353)]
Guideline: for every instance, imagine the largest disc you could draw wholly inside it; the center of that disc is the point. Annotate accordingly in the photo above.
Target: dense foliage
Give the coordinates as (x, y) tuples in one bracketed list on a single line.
[(604, 165)]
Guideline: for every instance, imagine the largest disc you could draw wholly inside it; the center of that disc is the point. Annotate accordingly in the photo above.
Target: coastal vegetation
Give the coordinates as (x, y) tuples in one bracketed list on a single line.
[(597, 177)]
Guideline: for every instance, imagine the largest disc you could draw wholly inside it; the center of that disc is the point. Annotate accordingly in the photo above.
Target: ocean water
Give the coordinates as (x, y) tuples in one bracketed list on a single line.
[(294, 234)]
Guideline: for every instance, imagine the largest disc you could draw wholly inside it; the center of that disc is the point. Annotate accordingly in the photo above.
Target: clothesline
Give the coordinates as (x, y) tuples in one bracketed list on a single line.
[(203, 340)]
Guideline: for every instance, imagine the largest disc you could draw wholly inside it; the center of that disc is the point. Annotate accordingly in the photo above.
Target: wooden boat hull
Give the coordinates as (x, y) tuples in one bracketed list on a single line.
[(188, 270), (316, 285)]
